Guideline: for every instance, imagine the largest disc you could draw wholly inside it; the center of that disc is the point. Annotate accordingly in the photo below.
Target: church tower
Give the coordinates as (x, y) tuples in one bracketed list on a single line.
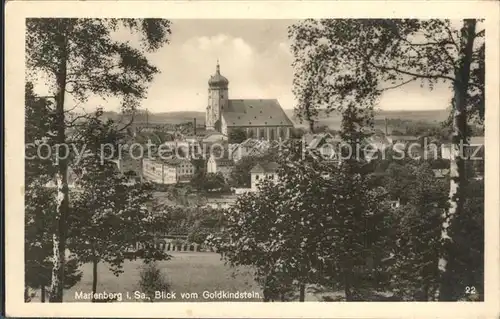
[(217, 99)]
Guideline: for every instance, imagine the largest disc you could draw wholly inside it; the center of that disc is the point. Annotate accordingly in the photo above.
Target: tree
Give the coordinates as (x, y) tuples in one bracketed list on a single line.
[(39, 215), (203, 223), (213, 182), (360, 227), (340, 61), (152, 280), (398, 181), (296, 132), (417, 226), (40, 199), (317, 224), (104, 200), (240, 175), (237, 136), (79, 58), (251, 237), (466, 266)]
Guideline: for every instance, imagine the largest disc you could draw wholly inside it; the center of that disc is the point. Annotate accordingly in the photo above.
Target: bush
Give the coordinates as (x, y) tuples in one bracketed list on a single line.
[(152, 280), (237, 136)]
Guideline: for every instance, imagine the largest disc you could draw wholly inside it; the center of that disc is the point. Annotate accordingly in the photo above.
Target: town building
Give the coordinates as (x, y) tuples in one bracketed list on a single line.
[(222, 165), (326, 144), (263, 171), (379, 142), (213, 137), (249, 147), (402, 139), (153, 171), (258, 118), (168, 171)]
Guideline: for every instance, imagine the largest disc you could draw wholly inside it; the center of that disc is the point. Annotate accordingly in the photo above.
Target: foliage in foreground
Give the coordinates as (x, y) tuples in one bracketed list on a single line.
[(152, 280)]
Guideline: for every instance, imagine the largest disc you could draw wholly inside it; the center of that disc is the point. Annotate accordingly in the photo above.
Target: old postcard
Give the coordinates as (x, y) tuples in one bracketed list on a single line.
[(219, 159)]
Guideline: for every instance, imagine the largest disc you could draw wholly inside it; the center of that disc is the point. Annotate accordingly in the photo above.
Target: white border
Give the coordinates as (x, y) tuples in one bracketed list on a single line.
[(17, 11)]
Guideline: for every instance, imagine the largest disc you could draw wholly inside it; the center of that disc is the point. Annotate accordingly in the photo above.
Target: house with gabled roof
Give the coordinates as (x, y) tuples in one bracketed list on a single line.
[(263, 171), (223, 165), (249, 147)]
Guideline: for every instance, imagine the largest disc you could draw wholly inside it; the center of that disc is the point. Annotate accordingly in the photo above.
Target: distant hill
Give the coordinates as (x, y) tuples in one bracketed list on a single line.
[(160, 118), (333, 120)]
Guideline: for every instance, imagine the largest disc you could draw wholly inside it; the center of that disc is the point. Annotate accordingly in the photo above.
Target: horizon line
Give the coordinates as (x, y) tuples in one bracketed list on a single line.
[(286, 109)]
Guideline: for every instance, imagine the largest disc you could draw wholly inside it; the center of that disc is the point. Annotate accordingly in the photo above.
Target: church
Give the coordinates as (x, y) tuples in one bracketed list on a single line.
[(258, 118)]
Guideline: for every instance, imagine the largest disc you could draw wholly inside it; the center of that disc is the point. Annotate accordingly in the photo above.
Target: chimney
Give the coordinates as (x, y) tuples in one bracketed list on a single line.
[(386, 132), (194, 126)]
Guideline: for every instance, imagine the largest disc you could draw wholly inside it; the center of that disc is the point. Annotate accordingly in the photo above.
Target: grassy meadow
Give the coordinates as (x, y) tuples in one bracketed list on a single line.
[(186, 272), (191, 272)]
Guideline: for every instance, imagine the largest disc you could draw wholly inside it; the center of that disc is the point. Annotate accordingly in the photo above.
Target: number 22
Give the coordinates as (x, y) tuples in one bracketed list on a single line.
[(470, 290)]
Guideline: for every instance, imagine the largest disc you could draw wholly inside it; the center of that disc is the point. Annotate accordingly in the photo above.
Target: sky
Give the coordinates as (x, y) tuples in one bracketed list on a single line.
[(254, 56)]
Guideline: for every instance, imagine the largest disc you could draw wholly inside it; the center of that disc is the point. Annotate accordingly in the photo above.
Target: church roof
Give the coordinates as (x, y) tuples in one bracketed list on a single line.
[(255, 112)]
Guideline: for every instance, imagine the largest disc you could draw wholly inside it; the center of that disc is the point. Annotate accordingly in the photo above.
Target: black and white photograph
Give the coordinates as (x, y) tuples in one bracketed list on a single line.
[(256, 160)]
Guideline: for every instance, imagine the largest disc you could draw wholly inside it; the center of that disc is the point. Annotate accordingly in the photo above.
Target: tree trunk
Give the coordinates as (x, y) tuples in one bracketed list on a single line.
[(348, 287), (308, 108), (302, 292), (59, 235), (265, 291), (94, 278), (457, 163), (42, 293)]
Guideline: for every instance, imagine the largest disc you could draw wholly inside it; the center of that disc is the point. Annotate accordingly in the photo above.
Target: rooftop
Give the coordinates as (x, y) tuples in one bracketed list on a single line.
[(175, 161), (255, 112), (224, 162), (267, 167), (402, 137)]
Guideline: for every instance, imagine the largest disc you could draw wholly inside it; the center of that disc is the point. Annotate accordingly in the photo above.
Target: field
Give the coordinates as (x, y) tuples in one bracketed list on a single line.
[(187, 272)]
